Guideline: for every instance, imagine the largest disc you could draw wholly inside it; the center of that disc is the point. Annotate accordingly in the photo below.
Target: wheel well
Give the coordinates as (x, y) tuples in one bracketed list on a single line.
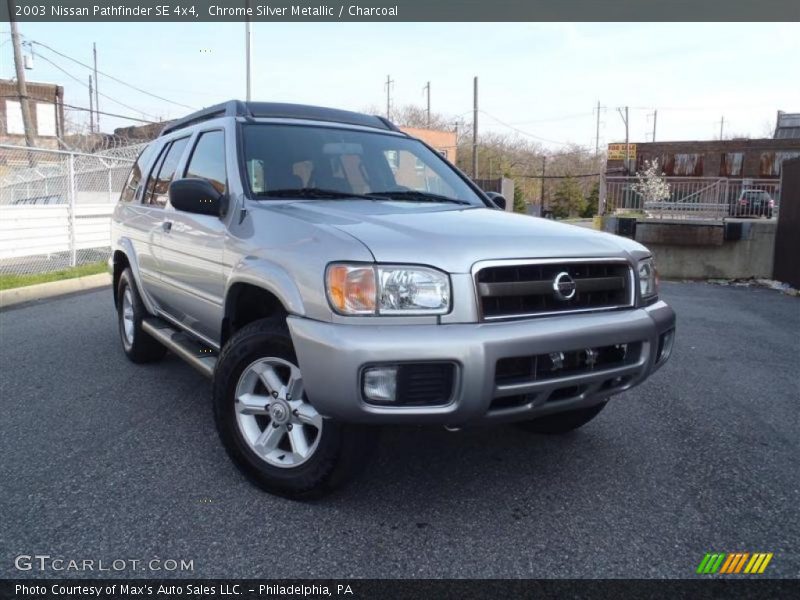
[(120, 264), (246, 303)]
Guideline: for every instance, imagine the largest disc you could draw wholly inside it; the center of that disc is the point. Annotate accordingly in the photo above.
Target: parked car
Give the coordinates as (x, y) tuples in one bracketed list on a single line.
[(332, 274), (754, 203)]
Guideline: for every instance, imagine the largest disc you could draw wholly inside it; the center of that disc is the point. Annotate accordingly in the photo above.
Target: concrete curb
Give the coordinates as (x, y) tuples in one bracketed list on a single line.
[(40, 291)]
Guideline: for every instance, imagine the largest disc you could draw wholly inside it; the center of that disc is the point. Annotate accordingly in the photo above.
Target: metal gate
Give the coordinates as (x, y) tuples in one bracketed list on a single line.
[(787, 237)]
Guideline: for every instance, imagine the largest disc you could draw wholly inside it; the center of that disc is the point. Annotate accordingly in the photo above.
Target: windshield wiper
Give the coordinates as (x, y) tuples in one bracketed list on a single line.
[(417, 196), (312, 192), (320, 193)]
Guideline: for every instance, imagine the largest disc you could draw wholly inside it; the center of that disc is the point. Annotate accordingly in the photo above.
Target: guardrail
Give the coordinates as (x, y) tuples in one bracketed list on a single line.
[(696, 197)]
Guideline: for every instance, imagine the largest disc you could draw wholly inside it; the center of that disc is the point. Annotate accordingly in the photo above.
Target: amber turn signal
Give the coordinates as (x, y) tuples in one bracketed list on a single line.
[(351, 289)]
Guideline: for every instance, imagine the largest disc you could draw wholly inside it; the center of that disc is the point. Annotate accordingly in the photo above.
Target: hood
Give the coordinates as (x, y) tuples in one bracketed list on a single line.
[(453, 237)]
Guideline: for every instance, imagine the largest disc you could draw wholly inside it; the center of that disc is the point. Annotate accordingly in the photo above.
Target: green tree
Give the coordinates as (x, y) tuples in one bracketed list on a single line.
[(520, 205), (568, 200), (592, 202)]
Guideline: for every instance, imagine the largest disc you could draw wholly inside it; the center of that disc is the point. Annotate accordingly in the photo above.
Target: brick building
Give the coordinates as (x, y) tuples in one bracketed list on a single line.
[(742, 158), (444, 142), (738, 158), (46, 101)]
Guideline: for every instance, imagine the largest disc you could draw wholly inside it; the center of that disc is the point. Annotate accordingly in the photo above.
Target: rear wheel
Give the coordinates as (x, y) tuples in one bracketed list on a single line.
[(139, 347), (563, 422), (268, 425)]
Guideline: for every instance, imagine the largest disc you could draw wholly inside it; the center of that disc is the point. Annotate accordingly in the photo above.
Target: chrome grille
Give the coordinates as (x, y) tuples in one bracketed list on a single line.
[(516, 289)]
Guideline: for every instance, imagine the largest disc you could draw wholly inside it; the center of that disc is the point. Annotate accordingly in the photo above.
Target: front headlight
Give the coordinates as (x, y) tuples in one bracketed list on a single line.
[(648, 279), (387, 290)]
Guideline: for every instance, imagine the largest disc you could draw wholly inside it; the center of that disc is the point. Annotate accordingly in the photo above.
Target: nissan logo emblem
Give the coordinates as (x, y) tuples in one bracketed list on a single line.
[(564, 287)]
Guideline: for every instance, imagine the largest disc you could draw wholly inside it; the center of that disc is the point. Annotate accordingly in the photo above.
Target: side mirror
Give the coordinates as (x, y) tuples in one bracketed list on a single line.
[(196, 196), (498, 199)]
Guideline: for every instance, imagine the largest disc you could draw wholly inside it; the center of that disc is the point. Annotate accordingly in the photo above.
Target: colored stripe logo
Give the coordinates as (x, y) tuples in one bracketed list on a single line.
[(734, 563)]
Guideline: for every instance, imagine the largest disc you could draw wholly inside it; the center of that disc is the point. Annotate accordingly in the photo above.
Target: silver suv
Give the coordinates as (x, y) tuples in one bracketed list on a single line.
[(331, 273)]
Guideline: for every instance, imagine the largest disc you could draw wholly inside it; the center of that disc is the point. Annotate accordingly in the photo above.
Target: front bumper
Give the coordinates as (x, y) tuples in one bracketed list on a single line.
[(331, 357)]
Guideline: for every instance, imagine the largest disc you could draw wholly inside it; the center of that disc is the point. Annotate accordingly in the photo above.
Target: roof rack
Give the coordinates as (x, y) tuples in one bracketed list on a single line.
[(278, 110), (232, 108)]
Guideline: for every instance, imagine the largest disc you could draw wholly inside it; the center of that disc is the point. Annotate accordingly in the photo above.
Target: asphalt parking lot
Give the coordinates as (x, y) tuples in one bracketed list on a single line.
[(103, 459)]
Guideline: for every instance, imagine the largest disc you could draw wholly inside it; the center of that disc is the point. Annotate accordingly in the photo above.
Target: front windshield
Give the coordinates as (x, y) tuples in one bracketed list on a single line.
[(341, 163)]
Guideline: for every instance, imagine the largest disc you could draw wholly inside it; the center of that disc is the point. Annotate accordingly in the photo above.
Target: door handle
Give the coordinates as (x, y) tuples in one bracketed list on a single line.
[(167, 226)]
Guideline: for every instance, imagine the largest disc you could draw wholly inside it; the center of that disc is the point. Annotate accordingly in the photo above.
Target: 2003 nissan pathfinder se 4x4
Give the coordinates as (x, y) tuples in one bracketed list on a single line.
[(331, 273)]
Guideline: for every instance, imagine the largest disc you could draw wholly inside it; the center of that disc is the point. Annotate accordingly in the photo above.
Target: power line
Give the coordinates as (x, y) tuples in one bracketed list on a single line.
[(120, 81), (699, 108), (83, 108), (108, 114), (527, 133), (557, 176), (554, 119), (74, 78)]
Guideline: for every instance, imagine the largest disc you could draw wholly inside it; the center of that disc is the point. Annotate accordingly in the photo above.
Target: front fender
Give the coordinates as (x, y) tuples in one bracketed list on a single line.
[(270, 277)]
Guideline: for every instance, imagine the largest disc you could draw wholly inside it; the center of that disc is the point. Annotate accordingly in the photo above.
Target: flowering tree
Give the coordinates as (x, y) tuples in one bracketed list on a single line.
[(651, 183)]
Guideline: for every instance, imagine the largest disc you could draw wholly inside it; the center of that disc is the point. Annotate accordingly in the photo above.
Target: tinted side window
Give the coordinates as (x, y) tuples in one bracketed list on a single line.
[(208, 160), (151, 180), (135, 177), (157, 195)]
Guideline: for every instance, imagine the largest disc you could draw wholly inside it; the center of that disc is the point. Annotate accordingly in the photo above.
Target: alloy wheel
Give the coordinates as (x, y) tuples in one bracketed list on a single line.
[(273, 415)]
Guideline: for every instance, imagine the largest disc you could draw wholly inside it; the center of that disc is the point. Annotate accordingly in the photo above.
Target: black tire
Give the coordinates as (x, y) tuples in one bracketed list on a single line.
[(341, 452), (142, 348), (563, 422)]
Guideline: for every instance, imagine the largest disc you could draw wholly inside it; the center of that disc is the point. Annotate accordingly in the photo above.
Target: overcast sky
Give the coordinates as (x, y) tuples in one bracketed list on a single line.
[(542, 79)]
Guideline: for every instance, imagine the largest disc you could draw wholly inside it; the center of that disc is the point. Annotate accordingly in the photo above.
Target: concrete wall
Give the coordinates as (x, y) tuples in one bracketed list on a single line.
[(699, 250)]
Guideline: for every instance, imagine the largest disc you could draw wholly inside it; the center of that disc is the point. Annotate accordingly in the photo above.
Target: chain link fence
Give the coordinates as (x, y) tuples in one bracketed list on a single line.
[(55, 206), (696, 198)]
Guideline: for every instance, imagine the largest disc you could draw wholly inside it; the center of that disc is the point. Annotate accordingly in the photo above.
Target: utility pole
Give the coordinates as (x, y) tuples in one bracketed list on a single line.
[(389, 82), (655, 116), (627, 138), (427, 88), (475, 128), (247, 49), (22, 89), (721, 126), (541, 192), (91, 107), (597, 133), (96, 92)]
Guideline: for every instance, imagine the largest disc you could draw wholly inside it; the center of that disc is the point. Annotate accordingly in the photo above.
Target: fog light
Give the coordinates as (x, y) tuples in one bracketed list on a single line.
[(380, 384), (665, 345)]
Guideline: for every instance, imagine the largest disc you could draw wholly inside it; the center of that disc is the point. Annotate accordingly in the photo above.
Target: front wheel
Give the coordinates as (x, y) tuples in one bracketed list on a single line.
[(267, 424), (564, 422)]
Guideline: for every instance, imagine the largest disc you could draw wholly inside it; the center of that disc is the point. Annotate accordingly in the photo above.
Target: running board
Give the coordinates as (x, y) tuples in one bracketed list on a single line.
[(201, 357)]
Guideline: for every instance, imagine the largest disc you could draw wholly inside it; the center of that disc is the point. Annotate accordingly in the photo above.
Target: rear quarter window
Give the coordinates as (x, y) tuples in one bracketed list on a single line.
[(134, 182)]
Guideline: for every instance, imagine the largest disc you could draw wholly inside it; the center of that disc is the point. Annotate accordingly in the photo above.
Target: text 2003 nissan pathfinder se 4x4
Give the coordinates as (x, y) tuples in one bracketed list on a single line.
[(332, 273)]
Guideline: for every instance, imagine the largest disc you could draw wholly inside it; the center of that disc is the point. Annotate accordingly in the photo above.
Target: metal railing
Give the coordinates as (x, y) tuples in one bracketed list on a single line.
[(696, 198), (55, 206)]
